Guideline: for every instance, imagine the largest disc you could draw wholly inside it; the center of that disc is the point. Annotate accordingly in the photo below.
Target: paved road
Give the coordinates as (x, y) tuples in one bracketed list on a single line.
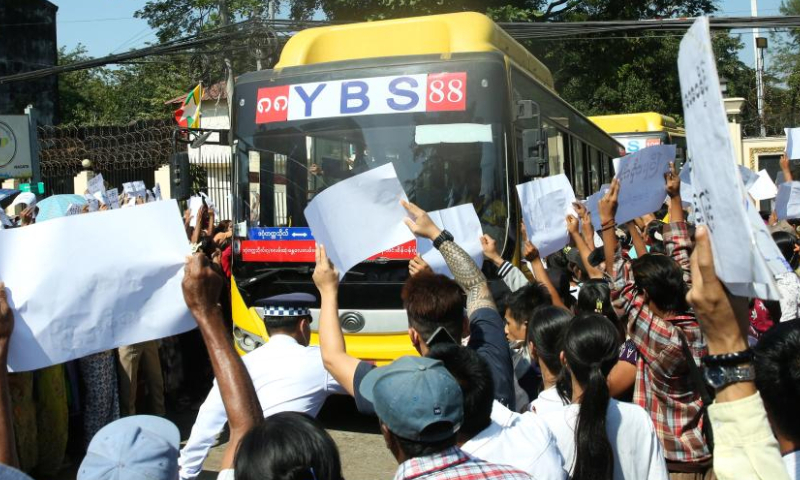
[(364, 454)]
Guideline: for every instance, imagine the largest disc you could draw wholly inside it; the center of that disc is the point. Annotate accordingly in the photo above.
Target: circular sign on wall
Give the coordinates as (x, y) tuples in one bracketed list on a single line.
[(8, 144)]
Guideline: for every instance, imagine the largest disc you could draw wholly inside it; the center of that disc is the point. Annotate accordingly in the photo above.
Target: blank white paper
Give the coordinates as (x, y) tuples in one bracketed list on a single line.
[(90, 283), (359, 217)]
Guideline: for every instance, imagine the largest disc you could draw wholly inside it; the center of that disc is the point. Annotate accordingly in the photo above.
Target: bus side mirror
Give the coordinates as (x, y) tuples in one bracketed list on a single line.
[(526, 110), (534, 160)]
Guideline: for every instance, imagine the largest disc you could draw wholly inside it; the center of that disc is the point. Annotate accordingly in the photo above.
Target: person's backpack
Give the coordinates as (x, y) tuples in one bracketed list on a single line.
[(706, 393)]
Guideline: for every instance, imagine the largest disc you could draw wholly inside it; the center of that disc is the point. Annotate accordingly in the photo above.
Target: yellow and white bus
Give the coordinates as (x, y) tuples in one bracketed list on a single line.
[(636, 131), (463, 112)]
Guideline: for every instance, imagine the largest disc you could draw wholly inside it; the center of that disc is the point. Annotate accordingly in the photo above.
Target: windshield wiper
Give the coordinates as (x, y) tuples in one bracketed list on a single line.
[(266, 273)]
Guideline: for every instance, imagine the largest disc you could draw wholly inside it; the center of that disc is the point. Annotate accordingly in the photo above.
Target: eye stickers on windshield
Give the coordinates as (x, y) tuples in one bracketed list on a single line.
[(437, 92)]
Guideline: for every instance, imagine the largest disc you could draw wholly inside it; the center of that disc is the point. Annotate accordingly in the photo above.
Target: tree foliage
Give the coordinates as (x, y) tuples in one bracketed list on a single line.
[(598, 74), (783, 99), (115, 96)]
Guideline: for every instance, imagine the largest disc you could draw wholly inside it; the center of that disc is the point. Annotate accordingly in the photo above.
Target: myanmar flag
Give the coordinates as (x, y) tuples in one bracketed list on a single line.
[(189, 113)]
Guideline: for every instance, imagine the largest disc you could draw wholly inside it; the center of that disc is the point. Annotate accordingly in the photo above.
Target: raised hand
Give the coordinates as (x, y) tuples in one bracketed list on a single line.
[(723, 318), (573, 225), (419, 222), (489, 246), (607, 205), (417, 265), (530, 252), (325, 276), (673, 181), (201, 286)]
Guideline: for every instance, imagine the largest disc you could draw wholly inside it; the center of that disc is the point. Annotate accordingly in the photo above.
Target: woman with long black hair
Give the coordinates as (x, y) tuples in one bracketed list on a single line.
[(599, 437), (595, 297), (545, 342)]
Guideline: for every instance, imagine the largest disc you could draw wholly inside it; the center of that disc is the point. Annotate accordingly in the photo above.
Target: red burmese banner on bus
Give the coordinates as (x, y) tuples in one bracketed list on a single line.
[(435, 92), (302, 251)]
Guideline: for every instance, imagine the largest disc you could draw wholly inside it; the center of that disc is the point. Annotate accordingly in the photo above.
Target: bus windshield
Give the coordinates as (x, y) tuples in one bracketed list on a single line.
[(442, 159)]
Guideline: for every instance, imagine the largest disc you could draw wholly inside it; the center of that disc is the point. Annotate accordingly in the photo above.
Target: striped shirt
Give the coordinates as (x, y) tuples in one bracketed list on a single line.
[(454, 464)]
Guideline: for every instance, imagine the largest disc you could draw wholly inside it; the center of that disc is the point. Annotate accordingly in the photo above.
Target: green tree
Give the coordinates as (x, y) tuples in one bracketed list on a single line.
[(783, 102), (115, 96)]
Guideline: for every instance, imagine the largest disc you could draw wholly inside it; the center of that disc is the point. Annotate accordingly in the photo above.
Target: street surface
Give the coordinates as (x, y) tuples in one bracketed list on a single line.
[(364, 454)]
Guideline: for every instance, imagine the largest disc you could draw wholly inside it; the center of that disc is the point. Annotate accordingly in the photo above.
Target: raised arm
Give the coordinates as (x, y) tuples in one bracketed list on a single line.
[(201, 289), (338, 362), (637, 239), (745, 446), (608, 209), (583, 248), (198, 225), (786, 168), (8, 446), (511, 275), (674, 193), (464, 269)]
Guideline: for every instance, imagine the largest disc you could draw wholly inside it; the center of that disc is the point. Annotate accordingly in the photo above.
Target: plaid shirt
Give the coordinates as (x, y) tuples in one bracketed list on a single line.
[(454, 464), (663, 384)]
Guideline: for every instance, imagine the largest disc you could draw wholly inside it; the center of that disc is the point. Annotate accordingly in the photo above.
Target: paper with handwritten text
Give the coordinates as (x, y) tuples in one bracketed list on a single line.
[(720, 201)]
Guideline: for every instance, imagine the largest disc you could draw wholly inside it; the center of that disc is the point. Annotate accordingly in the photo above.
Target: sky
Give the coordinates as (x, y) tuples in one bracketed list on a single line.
[(108, 26)]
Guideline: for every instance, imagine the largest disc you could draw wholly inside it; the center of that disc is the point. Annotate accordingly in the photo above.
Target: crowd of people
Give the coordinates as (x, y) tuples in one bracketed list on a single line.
[(625, 360)]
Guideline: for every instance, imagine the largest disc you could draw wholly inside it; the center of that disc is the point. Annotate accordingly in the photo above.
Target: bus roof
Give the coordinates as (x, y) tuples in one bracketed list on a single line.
[(637, 122), (436, 34)]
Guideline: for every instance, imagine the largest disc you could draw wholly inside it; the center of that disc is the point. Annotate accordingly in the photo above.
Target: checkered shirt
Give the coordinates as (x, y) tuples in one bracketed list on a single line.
[(663, 384), (454, 464)]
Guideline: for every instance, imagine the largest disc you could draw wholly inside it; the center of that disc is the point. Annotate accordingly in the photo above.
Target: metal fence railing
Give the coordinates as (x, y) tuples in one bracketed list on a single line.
[(121, 153)]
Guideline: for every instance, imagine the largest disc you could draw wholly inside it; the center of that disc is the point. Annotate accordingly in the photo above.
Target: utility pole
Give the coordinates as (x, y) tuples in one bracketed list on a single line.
[(758, 54), (271, 10), (224, 18)]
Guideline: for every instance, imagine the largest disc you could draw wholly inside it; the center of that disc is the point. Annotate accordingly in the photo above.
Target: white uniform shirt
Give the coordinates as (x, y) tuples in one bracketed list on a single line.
[(637, 451), (287, 376), (792, 464), (548, 400), (521, 441)]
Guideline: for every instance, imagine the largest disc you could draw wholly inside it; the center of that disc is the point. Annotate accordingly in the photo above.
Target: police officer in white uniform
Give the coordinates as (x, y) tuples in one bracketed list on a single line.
[(288, 376)]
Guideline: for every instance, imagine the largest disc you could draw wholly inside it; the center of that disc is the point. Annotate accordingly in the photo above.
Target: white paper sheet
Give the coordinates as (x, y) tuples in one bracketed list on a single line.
[(139, 189), (642, 188), (763, 188), (101, 197), (593, 204), (719, 196), (113, 198), (128, 188), (157, 192), (749, 177), (787, 202), (792, 143), (95, 283), (359, 217), (73, 209), (464, 224), (452, 133), (195, 204), (96, 184), (545, 204), (92, 202)]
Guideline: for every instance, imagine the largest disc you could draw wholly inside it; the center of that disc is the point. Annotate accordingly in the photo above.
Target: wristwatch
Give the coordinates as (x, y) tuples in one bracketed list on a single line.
[(444, 236), (718, 376)]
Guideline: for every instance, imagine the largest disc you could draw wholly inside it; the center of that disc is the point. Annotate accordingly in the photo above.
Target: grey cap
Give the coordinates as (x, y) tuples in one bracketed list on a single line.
[(416, 398), (133, 448)]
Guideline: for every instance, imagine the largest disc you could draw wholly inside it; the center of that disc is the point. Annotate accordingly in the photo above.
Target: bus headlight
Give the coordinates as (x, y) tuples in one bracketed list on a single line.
[(246, 341)]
